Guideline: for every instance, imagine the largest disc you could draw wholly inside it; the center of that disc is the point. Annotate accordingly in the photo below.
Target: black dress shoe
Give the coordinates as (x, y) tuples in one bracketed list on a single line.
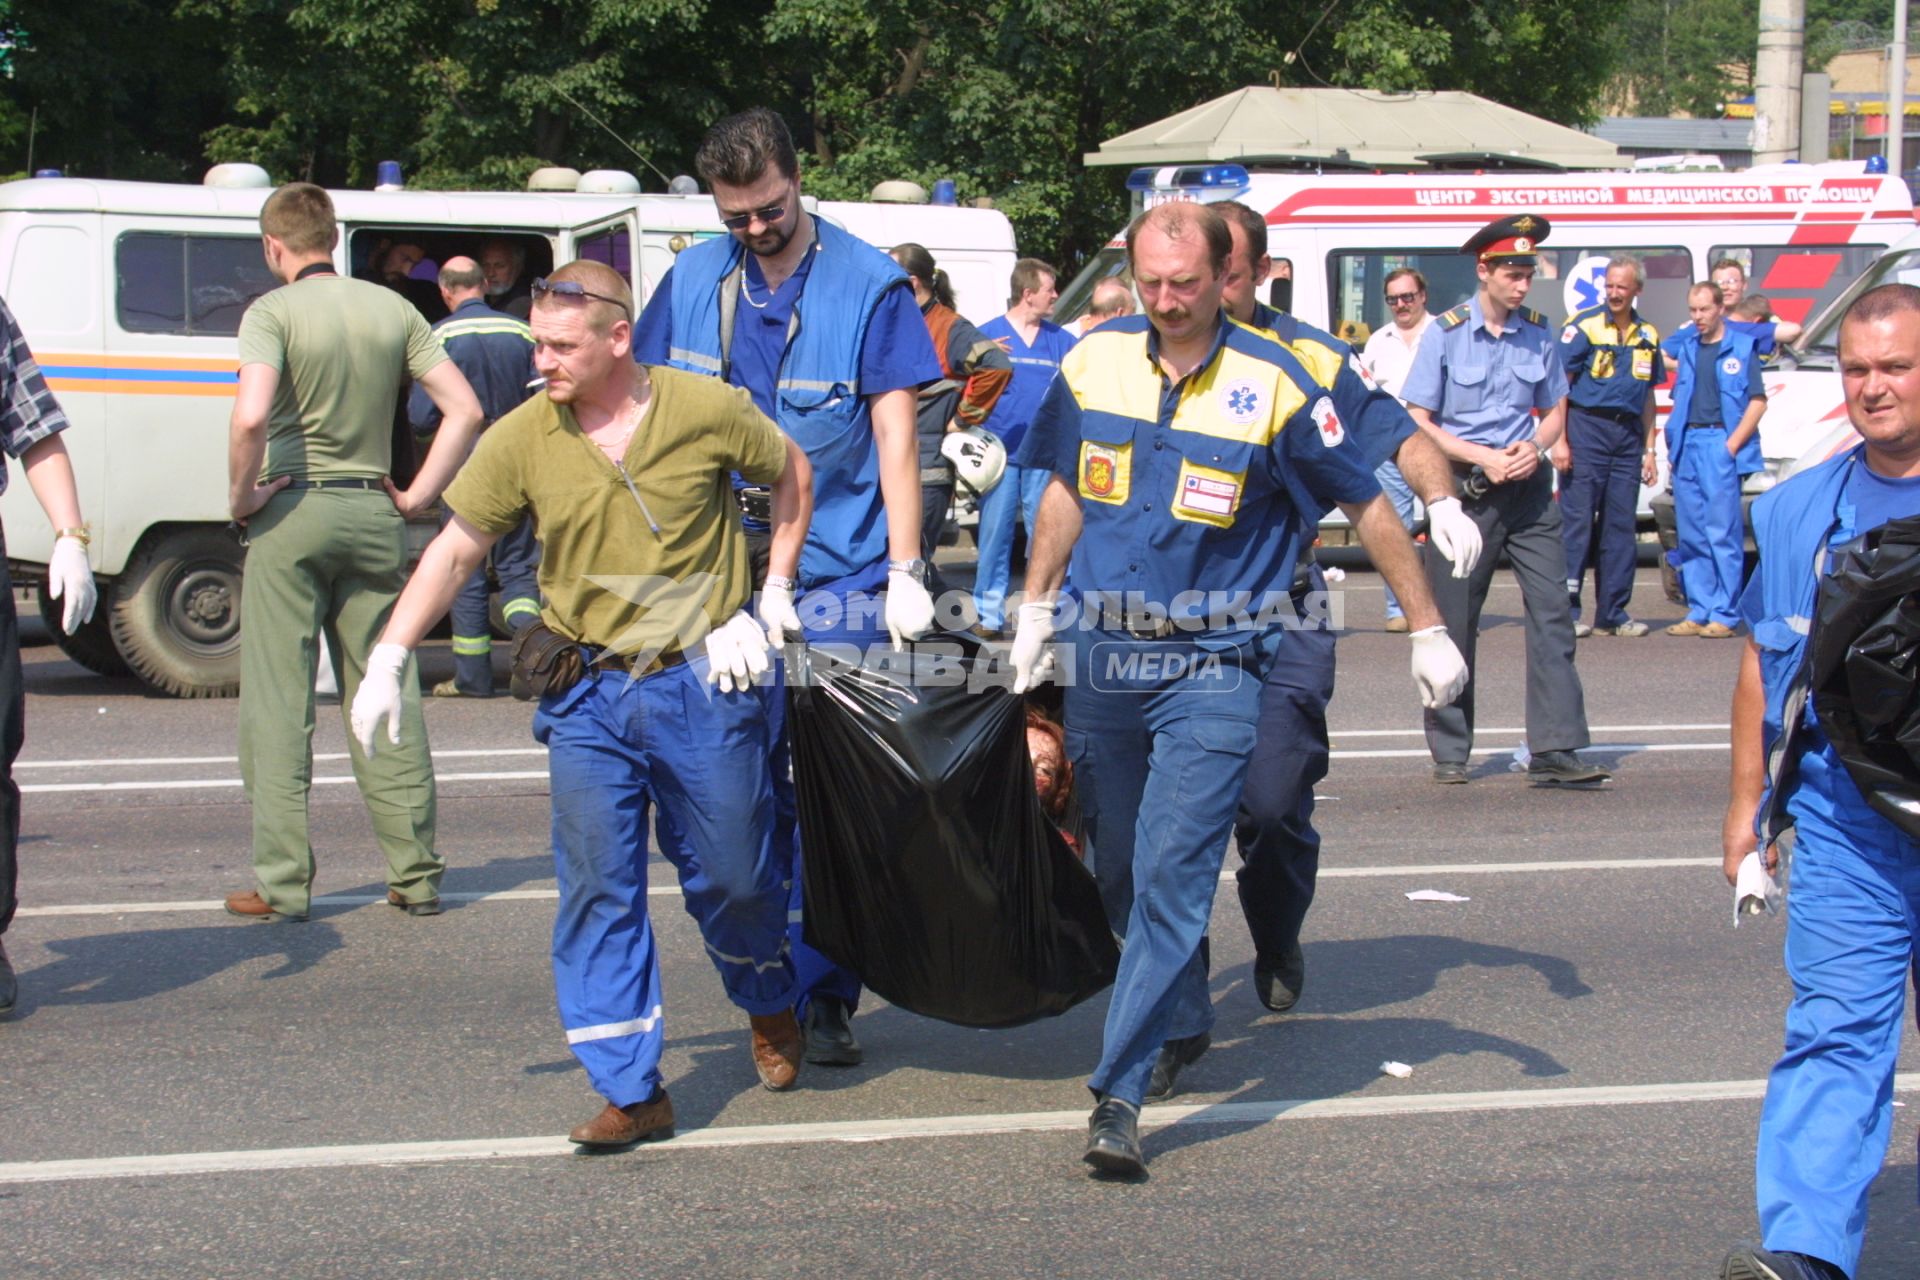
[(1278, 981), (1174, 1055), (1449, 774), (9, 985), (830, 1041), (1113, 1140), (1762, 1264), (1563, 769)]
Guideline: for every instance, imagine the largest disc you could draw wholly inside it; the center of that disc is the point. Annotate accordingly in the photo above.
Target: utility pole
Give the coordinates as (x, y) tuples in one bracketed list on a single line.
[(1897, 91), (1776, 81)]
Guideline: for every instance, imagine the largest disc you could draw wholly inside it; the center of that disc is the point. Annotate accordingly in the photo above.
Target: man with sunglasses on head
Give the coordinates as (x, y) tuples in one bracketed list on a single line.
[(822, 330), (625, 471)]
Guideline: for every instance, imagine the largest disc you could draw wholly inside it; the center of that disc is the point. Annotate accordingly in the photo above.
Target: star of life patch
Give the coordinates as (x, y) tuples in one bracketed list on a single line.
[(1240, 401), (1730, 365)]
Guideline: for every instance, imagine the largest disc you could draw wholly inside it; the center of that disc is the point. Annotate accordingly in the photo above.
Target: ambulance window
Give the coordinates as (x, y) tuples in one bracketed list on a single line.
[(1568, 281), (1799, 281), (52, 290), (613, 246), (1358, 302), (195, 285)]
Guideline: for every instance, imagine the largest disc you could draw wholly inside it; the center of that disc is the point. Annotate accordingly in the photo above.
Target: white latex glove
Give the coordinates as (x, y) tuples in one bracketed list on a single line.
[(1455, 534), (1438, 668), (1032, 658), (777, 614), (736, 653), (379, 696), (909, 609), (69, 577)]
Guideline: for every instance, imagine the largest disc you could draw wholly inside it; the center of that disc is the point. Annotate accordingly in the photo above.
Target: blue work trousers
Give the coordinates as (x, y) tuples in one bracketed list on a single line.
[(516, 562), (616, 748), (844, 611), (1853, 913), (1400, 494), (1015, 498), (1598, 500), (1160, 761), (1706, 511)]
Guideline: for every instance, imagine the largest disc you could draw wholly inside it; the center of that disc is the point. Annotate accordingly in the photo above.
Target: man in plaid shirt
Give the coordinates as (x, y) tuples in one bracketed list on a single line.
[(31, 421)]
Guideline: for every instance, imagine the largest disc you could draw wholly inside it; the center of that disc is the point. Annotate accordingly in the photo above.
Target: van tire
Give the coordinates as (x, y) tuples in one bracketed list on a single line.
[(92, 645), (176, 613)]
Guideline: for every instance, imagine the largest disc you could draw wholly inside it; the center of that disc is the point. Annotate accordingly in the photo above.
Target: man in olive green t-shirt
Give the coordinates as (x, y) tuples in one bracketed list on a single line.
[(322, 361), (625, 471)]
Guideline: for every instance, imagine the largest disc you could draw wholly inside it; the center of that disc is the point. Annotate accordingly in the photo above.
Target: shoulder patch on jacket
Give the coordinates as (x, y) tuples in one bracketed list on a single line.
[(1533, 317), (1454, 318)]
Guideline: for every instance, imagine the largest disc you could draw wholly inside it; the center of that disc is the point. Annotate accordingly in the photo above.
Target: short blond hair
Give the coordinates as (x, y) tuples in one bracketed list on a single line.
[(300, 216), (596, 277)]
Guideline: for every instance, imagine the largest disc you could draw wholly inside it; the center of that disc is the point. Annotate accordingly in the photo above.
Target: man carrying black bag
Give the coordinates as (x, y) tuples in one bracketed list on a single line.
[(625, 470), (1853, 888)]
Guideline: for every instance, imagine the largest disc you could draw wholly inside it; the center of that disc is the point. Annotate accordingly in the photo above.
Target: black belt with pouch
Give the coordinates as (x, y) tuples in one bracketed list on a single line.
[(544, 662), (756, 502)]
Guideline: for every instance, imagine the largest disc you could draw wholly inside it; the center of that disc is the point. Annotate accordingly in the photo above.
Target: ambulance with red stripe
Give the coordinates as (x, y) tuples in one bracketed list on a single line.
[(1803, 233), (131, 294)]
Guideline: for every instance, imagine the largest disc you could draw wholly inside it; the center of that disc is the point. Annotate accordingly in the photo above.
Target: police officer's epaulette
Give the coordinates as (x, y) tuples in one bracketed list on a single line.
[(1533, 317), (1454, 318)]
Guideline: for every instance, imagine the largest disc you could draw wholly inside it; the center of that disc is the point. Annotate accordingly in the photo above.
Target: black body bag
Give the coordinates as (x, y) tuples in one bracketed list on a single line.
[(930, 869), (1864, 660)]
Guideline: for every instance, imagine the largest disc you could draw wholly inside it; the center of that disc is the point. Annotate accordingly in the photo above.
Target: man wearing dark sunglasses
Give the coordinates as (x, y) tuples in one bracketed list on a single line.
[(823, 331)]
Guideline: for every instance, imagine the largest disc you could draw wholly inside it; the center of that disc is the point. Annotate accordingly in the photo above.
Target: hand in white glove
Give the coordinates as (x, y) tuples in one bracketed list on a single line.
[(1032, 658), (1454, 534), (736, 653), (909, 609), (778, 615), (379, 696), (69, 577), (1438, 668)]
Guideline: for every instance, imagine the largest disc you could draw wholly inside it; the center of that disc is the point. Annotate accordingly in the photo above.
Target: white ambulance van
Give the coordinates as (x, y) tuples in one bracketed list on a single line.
[(131, 295), (1803, 233)]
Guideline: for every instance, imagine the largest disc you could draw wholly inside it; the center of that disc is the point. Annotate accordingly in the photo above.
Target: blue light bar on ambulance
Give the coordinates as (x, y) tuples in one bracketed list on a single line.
[(1191, 177)]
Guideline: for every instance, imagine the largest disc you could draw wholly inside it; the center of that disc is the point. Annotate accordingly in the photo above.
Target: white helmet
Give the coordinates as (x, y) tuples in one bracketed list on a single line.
[(978, 457)]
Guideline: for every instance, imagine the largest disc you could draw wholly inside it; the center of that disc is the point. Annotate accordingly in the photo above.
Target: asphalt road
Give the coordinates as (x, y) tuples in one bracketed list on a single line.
[(184, 1095)]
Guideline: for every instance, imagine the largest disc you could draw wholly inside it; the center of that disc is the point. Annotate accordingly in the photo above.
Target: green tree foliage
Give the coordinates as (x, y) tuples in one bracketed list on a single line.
[(1003, 96)]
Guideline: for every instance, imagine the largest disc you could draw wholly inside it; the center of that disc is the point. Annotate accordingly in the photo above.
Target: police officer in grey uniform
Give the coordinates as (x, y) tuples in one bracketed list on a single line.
[(1488, 364)]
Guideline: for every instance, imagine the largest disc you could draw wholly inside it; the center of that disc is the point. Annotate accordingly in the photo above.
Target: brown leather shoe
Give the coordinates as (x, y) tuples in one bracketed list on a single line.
[(251, 906), (424, 907), (624, 1126), (777, 1045)]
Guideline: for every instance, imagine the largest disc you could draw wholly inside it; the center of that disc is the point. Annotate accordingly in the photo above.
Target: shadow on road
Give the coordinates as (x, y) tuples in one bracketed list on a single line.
[(111, 968)]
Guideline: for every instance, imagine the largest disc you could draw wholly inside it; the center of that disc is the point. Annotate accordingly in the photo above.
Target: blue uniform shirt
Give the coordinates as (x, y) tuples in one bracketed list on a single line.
[(1613, 370), (1481, 388), (1194, 487), (1034, 368), (897, 353), (495, 352)]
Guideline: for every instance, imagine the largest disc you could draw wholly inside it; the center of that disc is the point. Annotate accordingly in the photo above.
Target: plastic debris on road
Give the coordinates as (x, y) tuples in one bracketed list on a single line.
[(1398, 1070), (1435, 895)]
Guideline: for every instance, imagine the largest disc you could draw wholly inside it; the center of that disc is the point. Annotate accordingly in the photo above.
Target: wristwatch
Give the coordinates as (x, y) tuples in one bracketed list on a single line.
[(915, 569)]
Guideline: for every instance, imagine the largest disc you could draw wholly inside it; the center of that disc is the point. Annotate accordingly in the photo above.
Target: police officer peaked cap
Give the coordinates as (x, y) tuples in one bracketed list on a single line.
[(1509, 242)]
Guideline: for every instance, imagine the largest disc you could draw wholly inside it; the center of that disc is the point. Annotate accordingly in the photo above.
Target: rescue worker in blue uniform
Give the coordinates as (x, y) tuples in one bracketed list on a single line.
[(1852, 896), (1713, 443), (1183, 447), (1273, 830), (1474, 386), (625, 468), (823, 331), (495, 351), (1613, 357)]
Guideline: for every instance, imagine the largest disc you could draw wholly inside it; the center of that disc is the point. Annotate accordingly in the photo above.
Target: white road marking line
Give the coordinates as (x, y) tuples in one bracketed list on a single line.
[(1520, 730), (531, 775), (121, 762), (673, 890), (962, 1126), (191, 784)]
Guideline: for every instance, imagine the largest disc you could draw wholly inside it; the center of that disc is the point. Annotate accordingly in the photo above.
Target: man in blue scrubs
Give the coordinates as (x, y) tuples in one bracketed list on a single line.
[(822, 330), (1854, 889)]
